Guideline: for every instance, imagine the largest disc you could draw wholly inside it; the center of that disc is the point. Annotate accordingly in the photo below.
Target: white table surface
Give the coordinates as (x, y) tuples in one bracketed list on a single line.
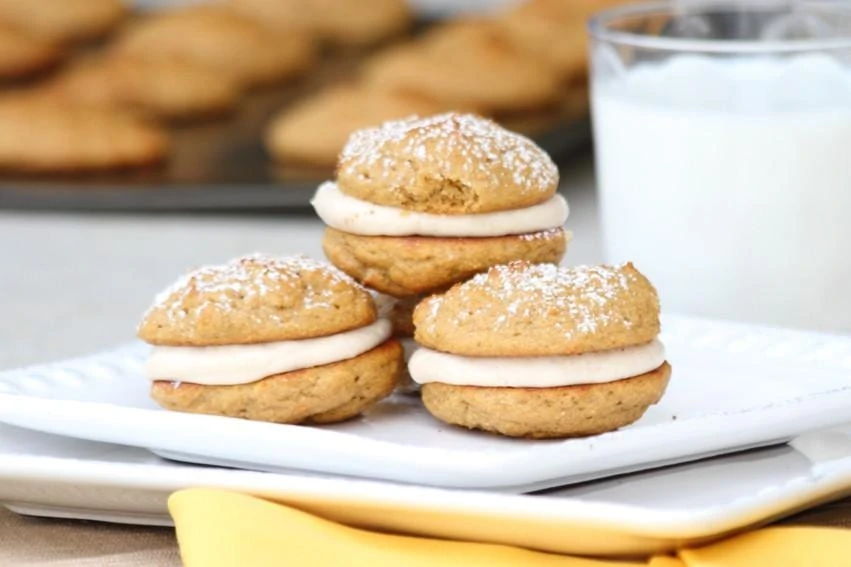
[(71, 284)]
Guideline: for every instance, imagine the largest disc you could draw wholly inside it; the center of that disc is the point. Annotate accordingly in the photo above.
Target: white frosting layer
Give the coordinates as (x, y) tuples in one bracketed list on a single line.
[(343, 212), (242, 364), (428, 365)]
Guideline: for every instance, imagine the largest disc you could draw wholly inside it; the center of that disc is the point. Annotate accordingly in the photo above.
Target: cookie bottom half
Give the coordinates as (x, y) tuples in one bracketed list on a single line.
[(546, 413), (402, 266), (323, 394)]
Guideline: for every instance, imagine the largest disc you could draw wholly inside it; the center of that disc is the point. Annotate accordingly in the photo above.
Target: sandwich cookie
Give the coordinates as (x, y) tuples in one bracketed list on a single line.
[(284, 340), (542, 351), (422, 203)]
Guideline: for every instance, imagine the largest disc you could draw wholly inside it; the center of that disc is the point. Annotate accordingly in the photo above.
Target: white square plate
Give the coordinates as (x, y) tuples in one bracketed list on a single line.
[(733, 387), (654, 511)]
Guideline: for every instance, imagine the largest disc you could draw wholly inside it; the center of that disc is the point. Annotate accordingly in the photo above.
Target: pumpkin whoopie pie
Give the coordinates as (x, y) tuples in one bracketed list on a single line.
[(423, 203), (285, 340), (542, 351)]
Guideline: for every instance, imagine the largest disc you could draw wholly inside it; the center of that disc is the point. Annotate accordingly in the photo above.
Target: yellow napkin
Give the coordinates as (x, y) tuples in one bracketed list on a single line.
[(217, 528)]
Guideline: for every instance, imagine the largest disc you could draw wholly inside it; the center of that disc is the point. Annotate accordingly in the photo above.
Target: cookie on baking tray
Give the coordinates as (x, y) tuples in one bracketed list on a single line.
[(314, 130), (554, 31), (223, 41), (40, 135), (542, 351), (23, 55), (63, 20), (422, 203), (341, 22), (471, 66), (170, 89), (284, 340)]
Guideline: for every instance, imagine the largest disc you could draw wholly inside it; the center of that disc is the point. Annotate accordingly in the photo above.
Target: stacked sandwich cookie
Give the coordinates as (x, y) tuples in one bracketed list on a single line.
[(285, 340), (542, 351), (423, 203)]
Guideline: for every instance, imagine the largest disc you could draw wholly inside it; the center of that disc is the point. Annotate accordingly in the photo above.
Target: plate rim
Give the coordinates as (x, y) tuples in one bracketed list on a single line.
[(823, 482), (831, 403)]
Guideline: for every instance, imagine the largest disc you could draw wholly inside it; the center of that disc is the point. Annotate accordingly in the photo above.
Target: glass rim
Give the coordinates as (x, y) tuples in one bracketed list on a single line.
[(598, 29)]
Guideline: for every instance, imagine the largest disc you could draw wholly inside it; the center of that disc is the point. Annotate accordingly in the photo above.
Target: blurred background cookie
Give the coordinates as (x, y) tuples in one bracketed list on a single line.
[(44, 136), (315, 130), (163, 88), (471, 66), (63, 20), (23, 55), (554, 31), (223, 41), (340, 22)]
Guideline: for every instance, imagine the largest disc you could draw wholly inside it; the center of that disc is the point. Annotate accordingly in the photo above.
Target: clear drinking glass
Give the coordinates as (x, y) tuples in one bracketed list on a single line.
[(723, 147)]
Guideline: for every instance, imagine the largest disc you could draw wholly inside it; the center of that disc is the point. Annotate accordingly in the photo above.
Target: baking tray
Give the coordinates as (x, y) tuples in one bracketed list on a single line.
[(221, 165)]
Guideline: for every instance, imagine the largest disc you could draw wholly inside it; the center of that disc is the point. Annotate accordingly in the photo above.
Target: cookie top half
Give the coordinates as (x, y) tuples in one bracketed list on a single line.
[(523, 309), (446, 164), (257, 299)]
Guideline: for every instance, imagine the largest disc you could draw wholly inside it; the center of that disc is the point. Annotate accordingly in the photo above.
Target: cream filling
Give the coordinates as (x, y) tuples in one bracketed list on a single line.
[(232, 365), (343, 212), (428, 365)]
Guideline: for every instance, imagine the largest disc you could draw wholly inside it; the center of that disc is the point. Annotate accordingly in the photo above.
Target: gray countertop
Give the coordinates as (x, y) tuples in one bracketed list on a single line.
[(73, 284)]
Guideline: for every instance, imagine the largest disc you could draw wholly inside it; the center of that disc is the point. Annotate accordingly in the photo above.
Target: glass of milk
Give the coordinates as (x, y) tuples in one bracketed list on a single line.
[(723, 148)]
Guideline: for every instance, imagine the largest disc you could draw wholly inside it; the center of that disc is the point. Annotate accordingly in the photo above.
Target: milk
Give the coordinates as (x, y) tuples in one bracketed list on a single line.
[(729, 184)]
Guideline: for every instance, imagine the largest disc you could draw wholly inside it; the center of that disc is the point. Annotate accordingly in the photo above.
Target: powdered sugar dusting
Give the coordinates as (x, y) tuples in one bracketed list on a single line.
[(476, 143), (244, 278), (579, 295)]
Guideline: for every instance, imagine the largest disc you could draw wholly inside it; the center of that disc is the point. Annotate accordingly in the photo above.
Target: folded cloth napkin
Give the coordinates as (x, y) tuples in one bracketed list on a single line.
[(217, 528)]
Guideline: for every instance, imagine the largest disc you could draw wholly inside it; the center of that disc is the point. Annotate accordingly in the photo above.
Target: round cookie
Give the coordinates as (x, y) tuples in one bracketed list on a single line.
[(23, 55), (545, 413), (63, 20), (162, 88), (45, 136), (284, 340), (446, 164), (223, 41), (411, 266), (316, 129), (337, 21), (323, 394), (554, 311), (257, 299), (470, 66), (553, 31), (542, 351)]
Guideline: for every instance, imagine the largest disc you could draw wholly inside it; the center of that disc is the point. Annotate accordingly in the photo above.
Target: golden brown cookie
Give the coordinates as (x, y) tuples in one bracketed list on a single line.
[(223, 41), (162, 88), (323, 394), (446, 164), (63, 20), (471, 67), (541, 413), (526, 309), (257, 299), (555, 31), (23, 55), (337, 21), (410, 266), (314, 130), (45, 136)]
